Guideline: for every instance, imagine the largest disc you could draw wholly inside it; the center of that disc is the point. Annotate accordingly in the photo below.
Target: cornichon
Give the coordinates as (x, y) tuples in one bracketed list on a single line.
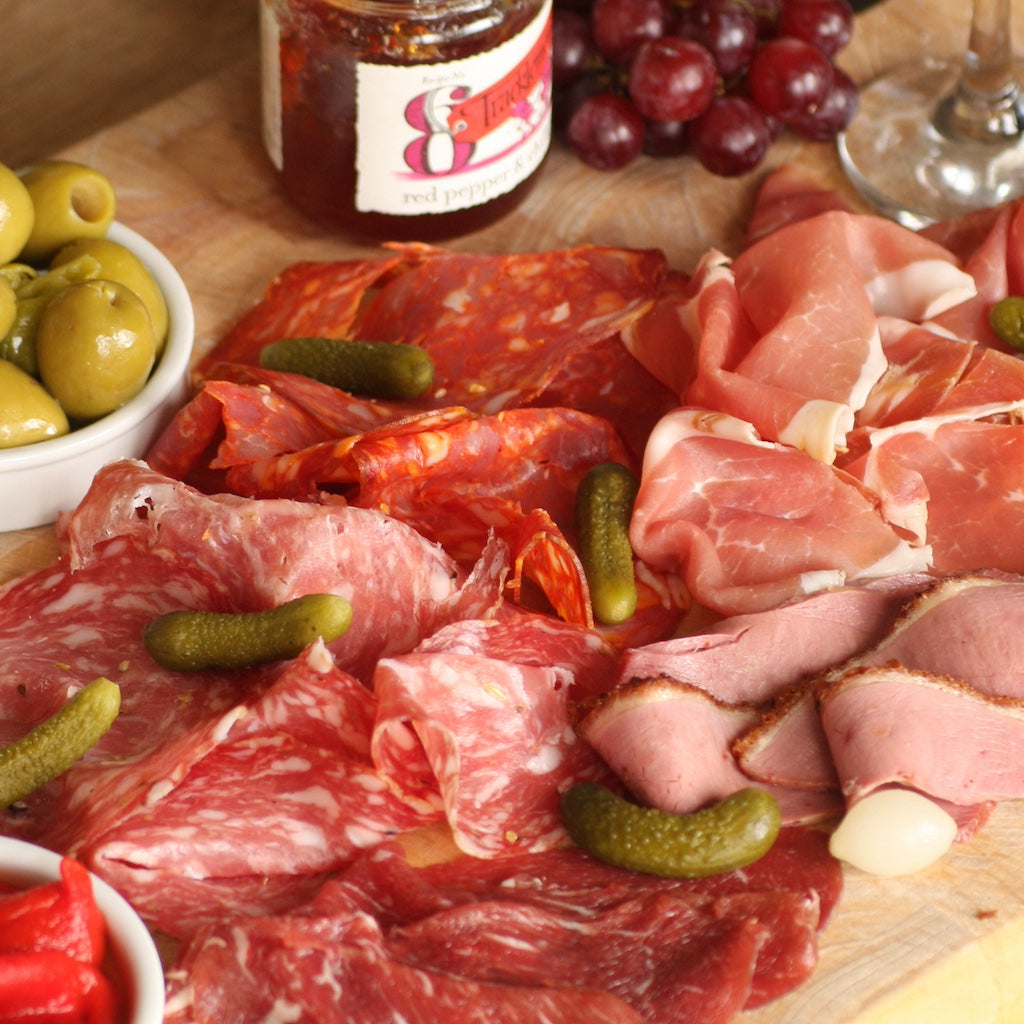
[(730, 835), (1006, 318), (375, 368), (54, 745), (604, 505), (189, 641)]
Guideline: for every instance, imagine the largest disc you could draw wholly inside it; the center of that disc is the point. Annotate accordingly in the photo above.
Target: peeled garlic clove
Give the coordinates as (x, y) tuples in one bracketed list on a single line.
[(893, 832)]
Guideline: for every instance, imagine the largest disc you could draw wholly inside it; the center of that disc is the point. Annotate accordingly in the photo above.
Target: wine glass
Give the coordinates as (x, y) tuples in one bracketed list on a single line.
[(934, 139)]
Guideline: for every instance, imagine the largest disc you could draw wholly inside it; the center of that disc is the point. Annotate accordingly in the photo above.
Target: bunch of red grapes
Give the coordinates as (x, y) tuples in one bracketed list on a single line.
[(720, 79)]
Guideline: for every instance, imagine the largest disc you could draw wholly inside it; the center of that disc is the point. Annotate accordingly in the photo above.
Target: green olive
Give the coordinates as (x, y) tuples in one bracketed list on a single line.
[(18, 344), (17, 214), (118, 263), (95, 347), (71, 201), (27, 414), (8, 305), (18, 274)]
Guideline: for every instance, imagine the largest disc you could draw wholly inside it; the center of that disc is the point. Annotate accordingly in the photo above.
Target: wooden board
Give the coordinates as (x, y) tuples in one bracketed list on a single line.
[(940, 948)]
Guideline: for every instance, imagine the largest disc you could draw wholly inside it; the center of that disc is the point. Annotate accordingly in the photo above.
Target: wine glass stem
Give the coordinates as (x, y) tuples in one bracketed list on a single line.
[(986, 102)]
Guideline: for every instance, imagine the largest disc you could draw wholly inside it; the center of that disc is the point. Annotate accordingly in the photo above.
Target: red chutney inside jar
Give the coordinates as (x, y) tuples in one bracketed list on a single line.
[(406, 120)]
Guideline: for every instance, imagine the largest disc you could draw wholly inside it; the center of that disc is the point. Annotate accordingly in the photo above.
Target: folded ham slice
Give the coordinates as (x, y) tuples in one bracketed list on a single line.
[(889, 725)]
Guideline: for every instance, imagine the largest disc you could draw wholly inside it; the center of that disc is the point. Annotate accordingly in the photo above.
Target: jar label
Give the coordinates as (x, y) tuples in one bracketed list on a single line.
[(432, 138)]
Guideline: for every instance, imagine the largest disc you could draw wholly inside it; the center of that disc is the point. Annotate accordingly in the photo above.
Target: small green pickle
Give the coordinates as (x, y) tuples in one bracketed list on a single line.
[(192, 641), (604, 505), (374, 368), (54, 745), (736, 832)]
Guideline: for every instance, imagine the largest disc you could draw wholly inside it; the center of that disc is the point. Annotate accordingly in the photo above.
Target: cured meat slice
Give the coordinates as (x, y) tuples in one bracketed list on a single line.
[(286, 794), (307, 299), (500, 328), (932, 374), (787, 195), (988, 243), (717, 318), (892, 725), (668, 958), (671, 745), (487, 727), (968, 628), (955, 484), (748, 524), (251, 970), (266, 552), (749, 659)]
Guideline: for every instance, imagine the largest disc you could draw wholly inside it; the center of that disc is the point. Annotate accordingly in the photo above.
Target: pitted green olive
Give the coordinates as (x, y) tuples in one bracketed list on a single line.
[(17, 214), (95, 347), (118, 263), (27, 413), (8, 306), (71, 200)]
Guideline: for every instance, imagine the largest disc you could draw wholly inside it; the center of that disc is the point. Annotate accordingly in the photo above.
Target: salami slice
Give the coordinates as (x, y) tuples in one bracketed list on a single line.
[(500, 328), (305, 299)]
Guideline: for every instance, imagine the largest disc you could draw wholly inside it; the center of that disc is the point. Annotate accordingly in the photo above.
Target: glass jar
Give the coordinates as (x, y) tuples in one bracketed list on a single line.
[(406, 120)]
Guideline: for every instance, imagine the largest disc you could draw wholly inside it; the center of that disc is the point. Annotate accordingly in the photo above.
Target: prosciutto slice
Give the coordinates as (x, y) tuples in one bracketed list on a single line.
[(749, 524)]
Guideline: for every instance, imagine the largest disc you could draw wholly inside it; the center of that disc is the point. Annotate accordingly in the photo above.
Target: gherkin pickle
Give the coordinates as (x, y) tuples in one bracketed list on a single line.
[(190, 641), (730, 835), (1006, 319), (54, 745), (604, 505), (374, 368)]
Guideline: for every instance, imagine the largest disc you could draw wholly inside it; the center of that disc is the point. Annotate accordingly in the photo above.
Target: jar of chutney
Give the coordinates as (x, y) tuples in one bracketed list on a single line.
[(406, 120)]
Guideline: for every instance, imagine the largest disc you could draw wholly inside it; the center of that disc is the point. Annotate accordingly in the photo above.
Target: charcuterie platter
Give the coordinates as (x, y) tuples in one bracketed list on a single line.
[(941, 946)]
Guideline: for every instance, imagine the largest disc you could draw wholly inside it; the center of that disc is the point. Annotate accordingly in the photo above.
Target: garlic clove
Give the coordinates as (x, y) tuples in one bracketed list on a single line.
[(893, 832)]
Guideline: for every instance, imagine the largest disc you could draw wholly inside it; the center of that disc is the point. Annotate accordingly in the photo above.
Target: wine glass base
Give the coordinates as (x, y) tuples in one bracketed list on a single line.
[(910, 171)]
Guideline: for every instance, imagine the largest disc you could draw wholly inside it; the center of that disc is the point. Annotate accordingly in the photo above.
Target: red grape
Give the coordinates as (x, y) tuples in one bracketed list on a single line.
[(825, 24), (726, 29), (789, 78), (721, 79), (620, 26), (573, 50), (672, 79), (835, 112), (606, 132), (731, 137)]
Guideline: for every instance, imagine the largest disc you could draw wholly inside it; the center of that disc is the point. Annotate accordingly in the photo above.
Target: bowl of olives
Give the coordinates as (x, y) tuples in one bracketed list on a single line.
[(96, 335)]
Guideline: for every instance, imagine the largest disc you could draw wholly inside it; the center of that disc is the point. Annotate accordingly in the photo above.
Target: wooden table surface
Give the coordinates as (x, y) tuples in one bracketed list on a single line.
[(940, 948)]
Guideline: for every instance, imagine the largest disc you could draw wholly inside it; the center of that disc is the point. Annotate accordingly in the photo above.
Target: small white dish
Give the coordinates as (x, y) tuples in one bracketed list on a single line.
[(38, 481), (133, 950)]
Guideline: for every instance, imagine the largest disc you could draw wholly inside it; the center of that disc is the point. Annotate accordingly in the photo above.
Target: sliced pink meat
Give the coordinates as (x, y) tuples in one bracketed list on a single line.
[(969, 628), (892, 725), (955, 484), (749, 659), (787, 195), (748, 524)]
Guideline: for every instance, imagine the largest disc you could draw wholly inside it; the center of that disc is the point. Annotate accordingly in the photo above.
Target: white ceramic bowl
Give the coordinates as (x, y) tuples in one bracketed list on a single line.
[(134, 952), (37, 481)]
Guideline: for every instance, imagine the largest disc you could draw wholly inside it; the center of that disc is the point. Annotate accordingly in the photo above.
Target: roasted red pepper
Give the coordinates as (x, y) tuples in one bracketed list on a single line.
[(60, 916), (50, 986)]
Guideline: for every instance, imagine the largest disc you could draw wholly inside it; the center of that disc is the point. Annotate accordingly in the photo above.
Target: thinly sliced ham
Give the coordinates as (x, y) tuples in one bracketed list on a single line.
[(671, 745), (749, 659), (749, 524), (890, 725)]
